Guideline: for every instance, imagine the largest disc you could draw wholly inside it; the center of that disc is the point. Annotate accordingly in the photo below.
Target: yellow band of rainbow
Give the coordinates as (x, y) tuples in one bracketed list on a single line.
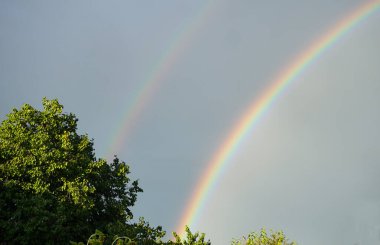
[(259, 106)]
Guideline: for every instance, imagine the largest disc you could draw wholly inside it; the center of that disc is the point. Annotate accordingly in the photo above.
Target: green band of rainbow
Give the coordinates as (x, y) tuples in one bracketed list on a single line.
[(259, 107), (157, 75)]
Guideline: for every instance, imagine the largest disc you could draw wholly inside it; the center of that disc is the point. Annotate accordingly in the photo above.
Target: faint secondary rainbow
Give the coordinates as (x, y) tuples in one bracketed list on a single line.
[(253, 115), (156, 77)]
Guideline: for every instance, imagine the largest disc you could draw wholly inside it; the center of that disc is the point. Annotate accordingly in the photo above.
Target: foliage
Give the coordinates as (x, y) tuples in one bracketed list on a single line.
[(262, 238), (191, 239), (99, 238), (52, 187), (53, 190), (140, 231)]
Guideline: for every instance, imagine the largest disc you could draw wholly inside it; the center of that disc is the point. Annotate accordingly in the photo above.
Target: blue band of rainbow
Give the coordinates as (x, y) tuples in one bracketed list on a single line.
[(259, 106)]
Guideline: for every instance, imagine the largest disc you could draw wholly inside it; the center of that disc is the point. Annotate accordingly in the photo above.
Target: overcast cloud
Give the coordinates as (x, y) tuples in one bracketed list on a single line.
[(311, 167)]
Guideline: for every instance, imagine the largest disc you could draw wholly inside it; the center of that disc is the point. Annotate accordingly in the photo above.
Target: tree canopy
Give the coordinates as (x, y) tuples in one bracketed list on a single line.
[(52, 187), (263, 238)]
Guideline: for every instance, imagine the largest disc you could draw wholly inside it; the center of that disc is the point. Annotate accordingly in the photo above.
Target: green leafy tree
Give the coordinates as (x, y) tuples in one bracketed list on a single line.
[(262, 238), (140, 232), (52, 187), (191, 238)]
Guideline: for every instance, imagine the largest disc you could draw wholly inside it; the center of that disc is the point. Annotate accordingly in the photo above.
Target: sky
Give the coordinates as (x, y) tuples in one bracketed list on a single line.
[(189, 70)]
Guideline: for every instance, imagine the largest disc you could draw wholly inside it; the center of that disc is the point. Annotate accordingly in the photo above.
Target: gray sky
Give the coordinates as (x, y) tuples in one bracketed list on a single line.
[(311, 166)]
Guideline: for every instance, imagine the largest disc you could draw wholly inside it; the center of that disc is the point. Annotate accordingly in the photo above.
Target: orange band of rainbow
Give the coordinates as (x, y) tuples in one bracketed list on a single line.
[(259, 106)]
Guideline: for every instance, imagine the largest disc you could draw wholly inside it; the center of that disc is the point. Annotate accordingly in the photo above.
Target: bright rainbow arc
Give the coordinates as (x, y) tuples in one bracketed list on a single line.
[(156, 77), (259, 107)]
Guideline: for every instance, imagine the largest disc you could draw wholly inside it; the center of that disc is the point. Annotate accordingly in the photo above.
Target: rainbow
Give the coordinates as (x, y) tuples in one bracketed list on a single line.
[(144, 93), (256, 110)]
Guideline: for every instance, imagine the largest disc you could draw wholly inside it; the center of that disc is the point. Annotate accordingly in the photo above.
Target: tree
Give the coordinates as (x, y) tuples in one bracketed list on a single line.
[(52, 187), (98, 238), (262, 238), (191, 239)]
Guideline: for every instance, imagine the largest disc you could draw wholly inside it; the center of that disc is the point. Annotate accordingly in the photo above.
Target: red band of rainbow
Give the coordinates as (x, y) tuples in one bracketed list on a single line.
[(259, 106)]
